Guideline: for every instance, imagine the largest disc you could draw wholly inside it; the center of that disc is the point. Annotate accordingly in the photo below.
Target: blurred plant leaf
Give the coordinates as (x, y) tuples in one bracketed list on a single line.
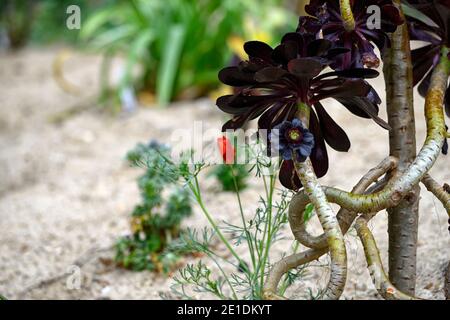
[(189, 43), (169, 64), (97, 21), (416, 14), (137, 50)]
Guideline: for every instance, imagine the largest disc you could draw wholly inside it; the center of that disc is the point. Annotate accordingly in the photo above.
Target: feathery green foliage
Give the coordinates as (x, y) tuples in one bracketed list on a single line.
[(155, 221)]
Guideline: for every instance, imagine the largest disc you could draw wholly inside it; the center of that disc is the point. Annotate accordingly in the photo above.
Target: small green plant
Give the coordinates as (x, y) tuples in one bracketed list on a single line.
[(155, 222), (231, 177)]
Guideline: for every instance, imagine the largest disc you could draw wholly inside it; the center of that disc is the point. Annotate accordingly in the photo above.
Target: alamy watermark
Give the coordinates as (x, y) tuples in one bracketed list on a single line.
[(374, 20), (73, 21), (73, 281)]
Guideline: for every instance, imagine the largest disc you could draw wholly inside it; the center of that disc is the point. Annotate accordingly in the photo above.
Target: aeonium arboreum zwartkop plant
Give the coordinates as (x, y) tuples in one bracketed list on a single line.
[(273, 83), (284, 88), (355, 28)]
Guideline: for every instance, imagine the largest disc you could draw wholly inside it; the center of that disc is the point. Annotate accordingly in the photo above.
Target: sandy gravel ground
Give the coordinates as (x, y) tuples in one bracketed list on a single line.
[(65, 190)]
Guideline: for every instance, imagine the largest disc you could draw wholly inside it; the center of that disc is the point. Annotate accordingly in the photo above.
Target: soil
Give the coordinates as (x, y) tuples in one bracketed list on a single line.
[(66, 192)]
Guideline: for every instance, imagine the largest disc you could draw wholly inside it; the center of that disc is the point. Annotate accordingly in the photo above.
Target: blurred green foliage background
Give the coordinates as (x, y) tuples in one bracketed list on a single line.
[(173, 49)]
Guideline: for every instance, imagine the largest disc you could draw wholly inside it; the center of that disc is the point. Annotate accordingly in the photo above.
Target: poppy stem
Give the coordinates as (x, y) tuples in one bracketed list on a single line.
[(347, 15)]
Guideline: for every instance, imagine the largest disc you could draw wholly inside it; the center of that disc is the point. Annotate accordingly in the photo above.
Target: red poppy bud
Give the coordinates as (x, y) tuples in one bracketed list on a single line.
[(226, 149)]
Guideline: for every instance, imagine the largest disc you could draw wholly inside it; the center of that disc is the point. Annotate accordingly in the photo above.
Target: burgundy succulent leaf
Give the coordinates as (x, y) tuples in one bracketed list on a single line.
[(359, 41)]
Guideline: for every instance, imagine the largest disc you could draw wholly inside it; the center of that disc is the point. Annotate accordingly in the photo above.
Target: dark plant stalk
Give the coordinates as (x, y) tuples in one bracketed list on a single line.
[(447, 283), (403, 218)]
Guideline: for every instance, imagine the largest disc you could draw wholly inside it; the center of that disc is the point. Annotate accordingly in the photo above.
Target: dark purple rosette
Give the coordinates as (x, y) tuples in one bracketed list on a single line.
[(358, 40)]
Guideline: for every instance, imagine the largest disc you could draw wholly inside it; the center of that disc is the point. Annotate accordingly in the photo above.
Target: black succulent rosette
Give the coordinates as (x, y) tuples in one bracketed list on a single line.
[(274, 82), (435, 32), (359, 40)]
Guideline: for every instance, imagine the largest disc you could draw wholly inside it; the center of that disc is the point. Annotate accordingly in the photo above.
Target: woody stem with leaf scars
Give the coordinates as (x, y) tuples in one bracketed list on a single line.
[(330, 225), (403, 219)]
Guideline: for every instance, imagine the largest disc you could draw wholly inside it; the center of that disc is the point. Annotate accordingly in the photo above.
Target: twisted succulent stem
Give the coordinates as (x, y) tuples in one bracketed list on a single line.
[(375, 266), (330, 225), (344, 216), (295, 260), (283, 266), (347, 15), (298, 259), (400, 186), (392, 193), (439, 192)]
